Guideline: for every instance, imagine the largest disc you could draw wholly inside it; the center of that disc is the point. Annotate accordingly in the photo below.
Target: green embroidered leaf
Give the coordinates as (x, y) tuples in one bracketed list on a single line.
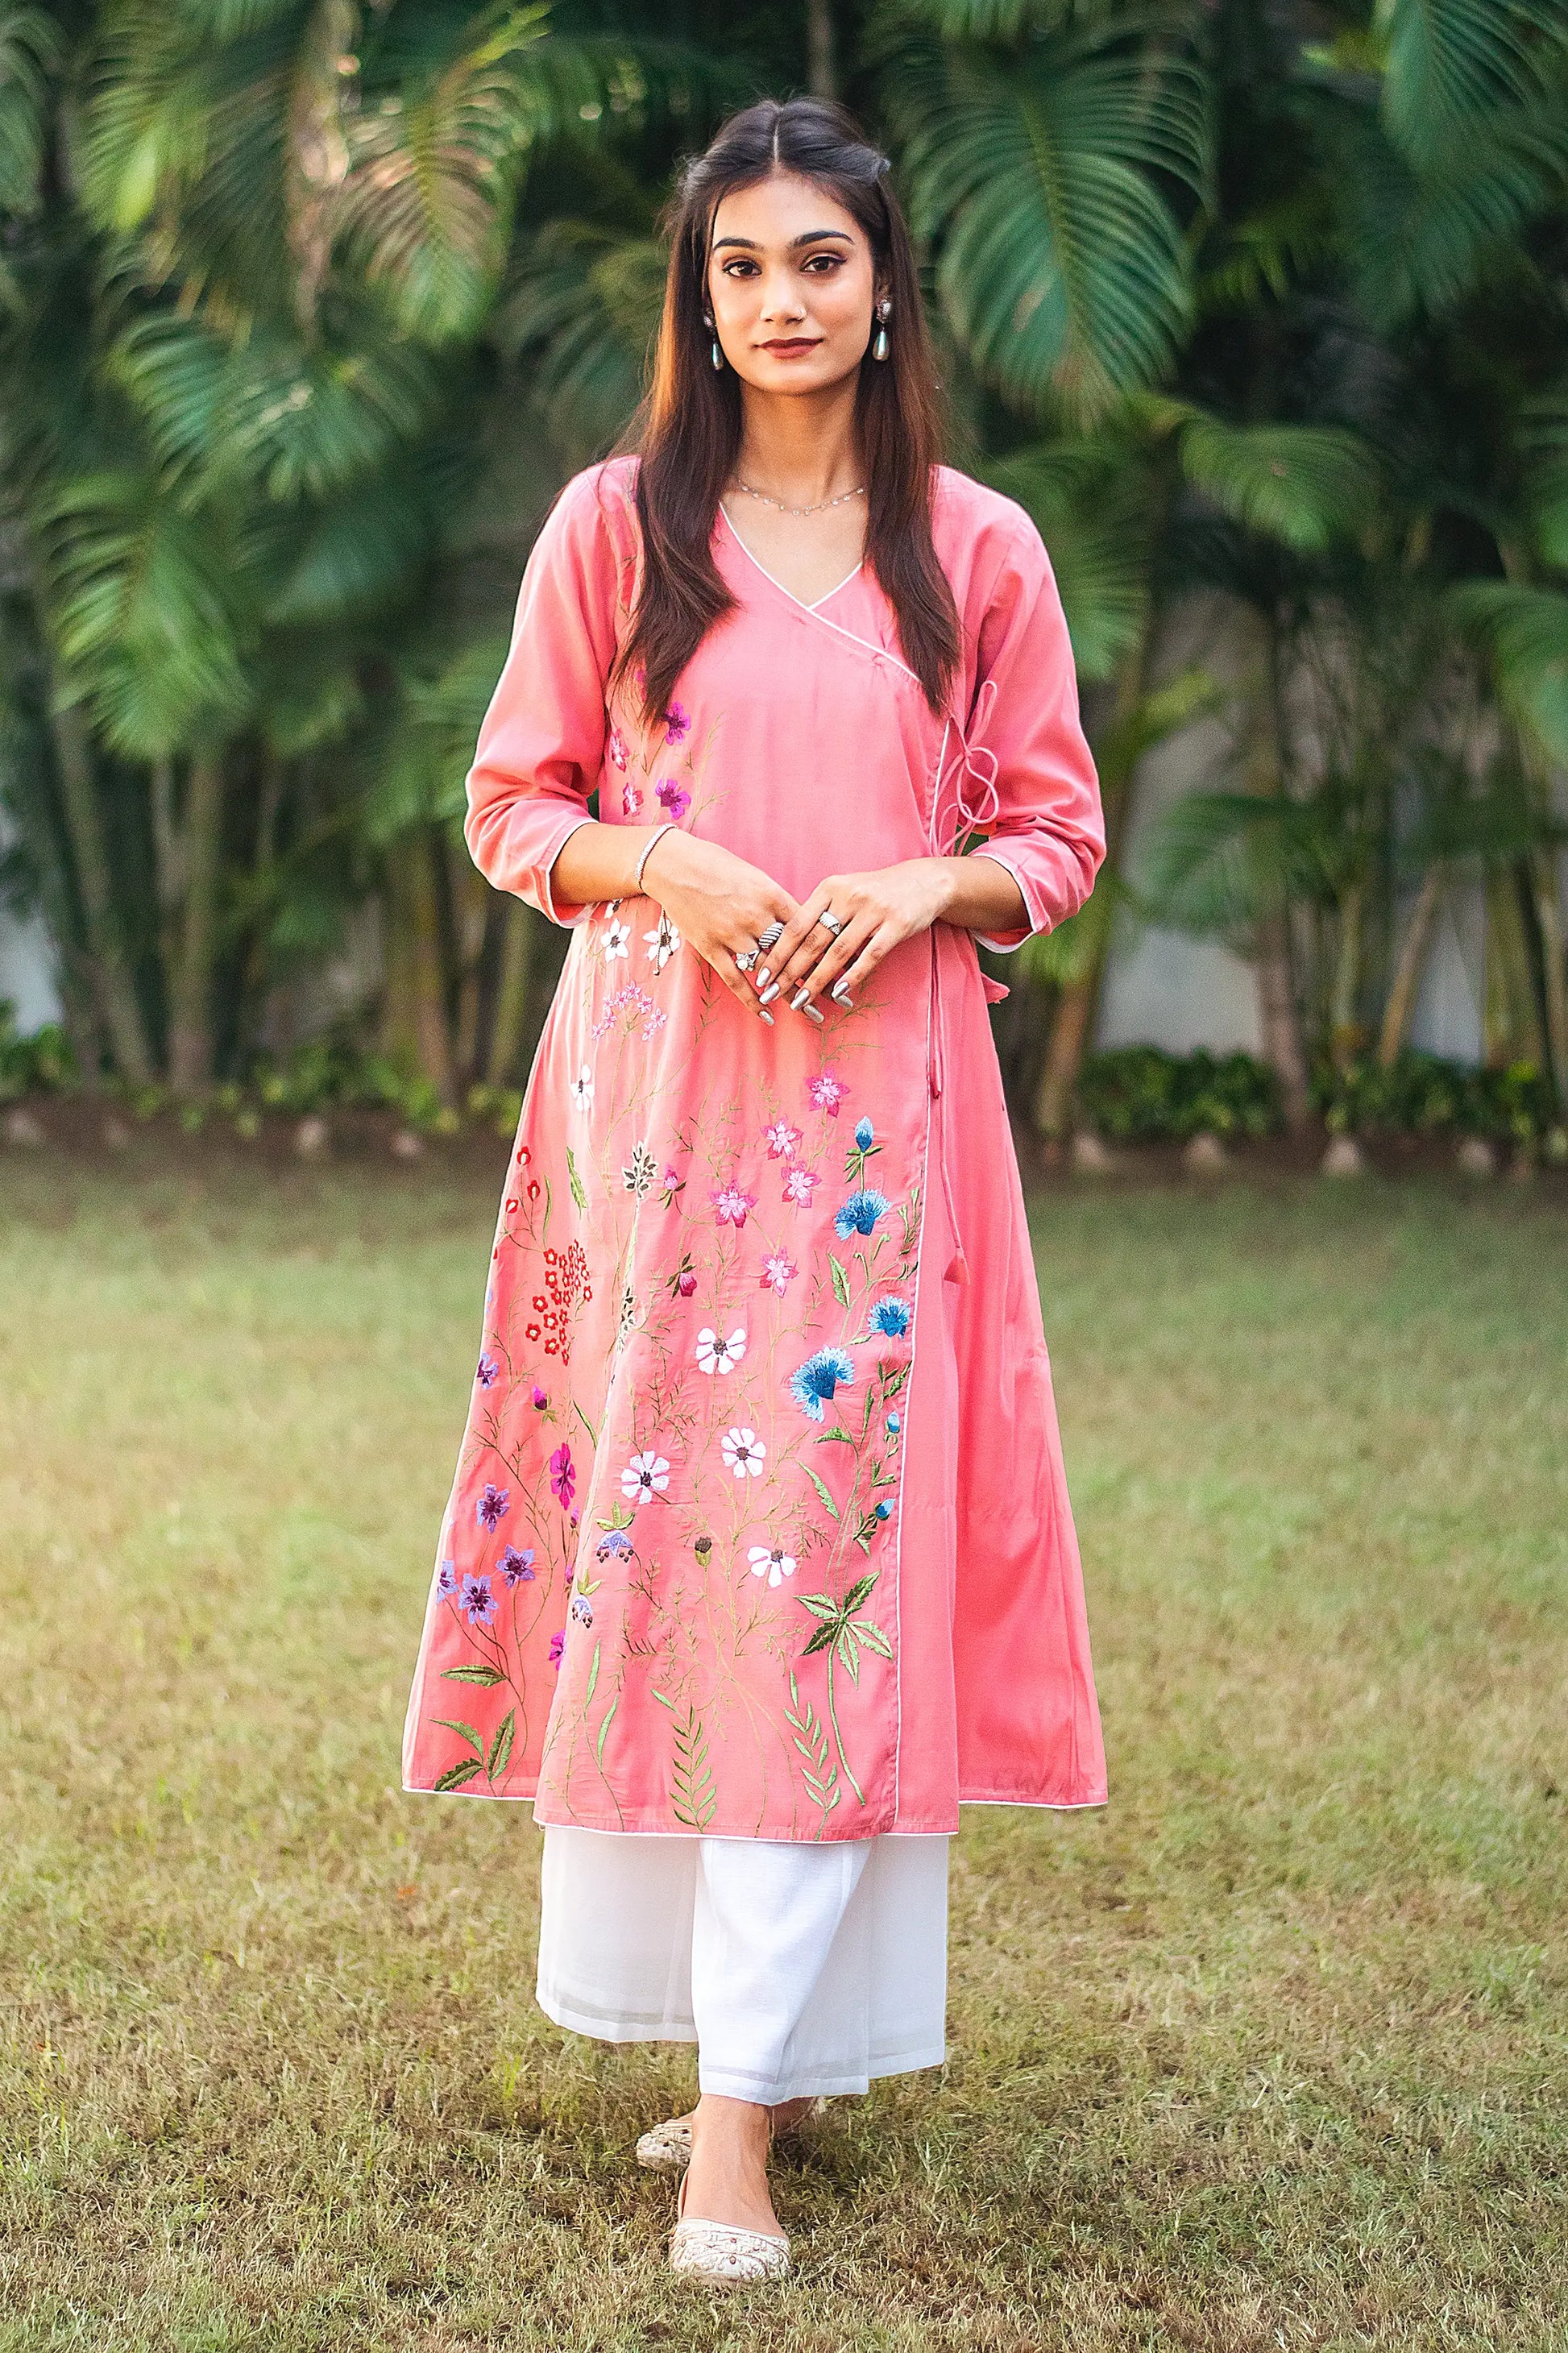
[(593, 1675), (578, 1195), (838, 1431), (475, 1675), (692, 1795), (840, 1280), (662, 1701), (456, 1775), (844, 1644), (828, 1503), (604, 1728), (821, 1605), (873, 1638), (862, 1539), (858, 1591), (820, 1641), (501, 1747), (464, 1732)]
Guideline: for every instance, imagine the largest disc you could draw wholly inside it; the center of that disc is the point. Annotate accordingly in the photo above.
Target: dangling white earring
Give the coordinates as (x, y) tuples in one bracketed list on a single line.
[(718, 354), (879, 348)]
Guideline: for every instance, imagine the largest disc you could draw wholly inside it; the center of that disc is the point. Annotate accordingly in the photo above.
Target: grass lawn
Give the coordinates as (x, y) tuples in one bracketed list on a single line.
[(1272, 2052)]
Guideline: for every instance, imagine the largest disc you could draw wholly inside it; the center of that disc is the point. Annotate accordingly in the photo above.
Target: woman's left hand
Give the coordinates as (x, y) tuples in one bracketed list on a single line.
[(877, 909)]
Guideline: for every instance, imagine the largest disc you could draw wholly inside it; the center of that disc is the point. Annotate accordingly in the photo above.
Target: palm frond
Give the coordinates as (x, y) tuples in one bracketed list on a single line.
[(584, 305), (31, 49), (1095, 524), (1452, 68), (1304, 485), (431, 743), (1044, 173), (1523, 632)]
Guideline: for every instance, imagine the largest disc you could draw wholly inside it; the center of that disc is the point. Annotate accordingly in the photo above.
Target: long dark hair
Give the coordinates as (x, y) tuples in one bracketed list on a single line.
[(689, 429)]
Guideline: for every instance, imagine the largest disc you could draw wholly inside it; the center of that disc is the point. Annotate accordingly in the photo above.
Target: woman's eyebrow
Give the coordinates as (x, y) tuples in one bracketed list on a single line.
[(808, 236)]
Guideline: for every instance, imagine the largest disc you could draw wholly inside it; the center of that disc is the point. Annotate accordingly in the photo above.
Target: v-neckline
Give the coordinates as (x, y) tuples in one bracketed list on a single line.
[(778, 583)]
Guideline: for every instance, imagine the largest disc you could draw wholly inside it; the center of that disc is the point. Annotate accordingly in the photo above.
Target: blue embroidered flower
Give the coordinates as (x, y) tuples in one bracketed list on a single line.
[(883, 1509), (860, 1214), (894, 1425), (863, 1134), (818, 1377), (891, 1317)]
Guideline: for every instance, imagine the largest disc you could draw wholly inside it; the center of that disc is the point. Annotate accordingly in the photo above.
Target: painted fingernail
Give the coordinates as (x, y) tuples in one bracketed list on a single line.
[(839, 991), (765, 1016), (769, 994), (798, 999), (812, 1014), (842, 997), (761, 975)]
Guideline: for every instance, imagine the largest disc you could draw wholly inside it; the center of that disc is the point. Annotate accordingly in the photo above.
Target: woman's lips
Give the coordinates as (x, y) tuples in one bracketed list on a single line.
[(792, 346)]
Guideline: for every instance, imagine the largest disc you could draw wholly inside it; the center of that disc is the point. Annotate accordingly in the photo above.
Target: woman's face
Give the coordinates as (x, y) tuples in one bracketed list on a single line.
[(791, 285)]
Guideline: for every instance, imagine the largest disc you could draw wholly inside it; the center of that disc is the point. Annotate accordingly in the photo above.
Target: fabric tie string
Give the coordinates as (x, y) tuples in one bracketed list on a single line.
[(976, 761)]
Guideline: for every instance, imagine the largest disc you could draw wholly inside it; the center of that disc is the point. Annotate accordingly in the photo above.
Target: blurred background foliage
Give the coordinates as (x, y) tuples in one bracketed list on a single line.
[(307, 309)]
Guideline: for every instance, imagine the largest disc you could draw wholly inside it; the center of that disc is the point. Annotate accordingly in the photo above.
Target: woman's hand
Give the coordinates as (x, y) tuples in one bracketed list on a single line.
[(718, 902), (877, 909)]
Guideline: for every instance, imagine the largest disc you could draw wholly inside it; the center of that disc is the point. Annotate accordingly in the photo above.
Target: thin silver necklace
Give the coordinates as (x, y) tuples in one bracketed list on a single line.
[(858, 491)]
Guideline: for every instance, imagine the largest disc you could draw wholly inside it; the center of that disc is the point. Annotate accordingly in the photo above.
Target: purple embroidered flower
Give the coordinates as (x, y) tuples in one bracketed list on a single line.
[(616, 1546), (492, 1507), (817, 1378), (563, 1476), (582, 1609), (677, 724), (540, 1399), (671, 799), (891, 1317), (557, 1646), (487, 1372), (859, 1213), (517, 1568), (826, 1092), (730, 1205), (478, 1603), (447, 1580)]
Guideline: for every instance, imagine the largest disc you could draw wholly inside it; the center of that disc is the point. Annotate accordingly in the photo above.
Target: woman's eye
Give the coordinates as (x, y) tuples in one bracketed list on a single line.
[(829, 261)]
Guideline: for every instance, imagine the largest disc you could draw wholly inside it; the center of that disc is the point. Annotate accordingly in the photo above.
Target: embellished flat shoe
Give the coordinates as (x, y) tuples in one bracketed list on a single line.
[(667, 2148), (722, 2253)]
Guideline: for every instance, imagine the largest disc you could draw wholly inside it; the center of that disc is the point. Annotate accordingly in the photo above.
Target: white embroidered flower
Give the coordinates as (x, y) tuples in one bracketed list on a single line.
[(616, 936), (645, 1475), (716, 1355), (769, 1561), (639, 1171), (582, 1089), (744, 1451), (662, 942)]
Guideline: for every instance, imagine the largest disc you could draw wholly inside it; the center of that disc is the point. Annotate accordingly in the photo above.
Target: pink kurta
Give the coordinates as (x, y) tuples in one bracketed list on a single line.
[(759, 1525)]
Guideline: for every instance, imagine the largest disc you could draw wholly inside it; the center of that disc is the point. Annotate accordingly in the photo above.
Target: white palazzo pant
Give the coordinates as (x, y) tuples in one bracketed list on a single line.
[(795, 1966)]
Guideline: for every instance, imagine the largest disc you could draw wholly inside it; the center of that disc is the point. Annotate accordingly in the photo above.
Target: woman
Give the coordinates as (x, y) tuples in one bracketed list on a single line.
[(758, 1561)]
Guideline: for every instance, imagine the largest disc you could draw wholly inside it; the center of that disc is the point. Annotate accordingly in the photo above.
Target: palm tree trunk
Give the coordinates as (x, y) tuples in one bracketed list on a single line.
[(1277, 1016), (190, 997), (1344, 1026), (821, 72), (1411, 964), (1546, 882), (434, 1040), (1064, 1055), (512, 992), (113, 984)]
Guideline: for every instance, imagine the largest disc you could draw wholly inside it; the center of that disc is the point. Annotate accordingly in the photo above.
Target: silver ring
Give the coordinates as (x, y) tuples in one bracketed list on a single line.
[(746, 957), (773, 933), (834, 923)]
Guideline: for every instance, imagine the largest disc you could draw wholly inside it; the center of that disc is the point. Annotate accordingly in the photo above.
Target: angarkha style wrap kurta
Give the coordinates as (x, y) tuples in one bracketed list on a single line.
[(759, 1525)]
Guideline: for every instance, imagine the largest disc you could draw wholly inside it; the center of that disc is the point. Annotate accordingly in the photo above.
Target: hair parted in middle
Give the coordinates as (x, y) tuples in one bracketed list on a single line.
[(688, 431)]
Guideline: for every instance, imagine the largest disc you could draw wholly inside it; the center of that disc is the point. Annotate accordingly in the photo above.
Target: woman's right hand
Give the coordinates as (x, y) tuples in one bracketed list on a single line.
[(718, 902)]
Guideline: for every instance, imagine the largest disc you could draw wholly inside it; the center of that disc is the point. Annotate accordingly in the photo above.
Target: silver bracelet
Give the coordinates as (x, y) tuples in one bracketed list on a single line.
[(657, 835)]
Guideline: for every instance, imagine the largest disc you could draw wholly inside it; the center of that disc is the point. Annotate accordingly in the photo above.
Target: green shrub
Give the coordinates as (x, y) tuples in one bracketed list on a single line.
[(1423, 1094), (1141, 1092), (27, 1065)]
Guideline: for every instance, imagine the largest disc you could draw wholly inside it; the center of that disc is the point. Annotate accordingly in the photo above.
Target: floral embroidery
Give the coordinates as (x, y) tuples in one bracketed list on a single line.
[(744, 1451), (645, 1475), (662, 942), (617, 939), (567, 1288), (616, 748), (563, 1476), (677, 723), (492, 1507), (447, 1580), (582, 1609), (859, 1213), (478, 1603), (891, 1317), (719, 1356), (557, 1647), (799, 1185), (771, 1562), (779, 1270), (487, 1372), (819, 1376), (633, 1005), (782, 1140), (672, 800), (517, 1568), (863, 1149), (637, 1173), (826, 1092), (582, 1088), (730, 1205), (631, 799)]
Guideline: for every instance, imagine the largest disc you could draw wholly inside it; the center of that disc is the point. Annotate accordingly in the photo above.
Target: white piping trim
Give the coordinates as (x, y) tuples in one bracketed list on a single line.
[(878, 653), (763, 568)]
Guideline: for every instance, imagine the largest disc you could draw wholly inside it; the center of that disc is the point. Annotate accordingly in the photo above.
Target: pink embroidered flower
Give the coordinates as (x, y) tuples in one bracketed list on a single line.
[(730, 1205), (779, 1270), (616, 748), (782, 1139), (671, 799), (631, 799), (826, 1092), (686, 1282), (799, 1185), (677, 723), (558, 1647), (562, 1475), (540, 1398)]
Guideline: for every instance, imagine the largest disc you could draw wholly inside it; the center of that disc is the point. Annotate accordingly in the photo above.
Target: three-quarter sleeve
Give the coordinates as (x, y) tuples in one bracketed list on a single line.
[(1050, 830), (542, 744)]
